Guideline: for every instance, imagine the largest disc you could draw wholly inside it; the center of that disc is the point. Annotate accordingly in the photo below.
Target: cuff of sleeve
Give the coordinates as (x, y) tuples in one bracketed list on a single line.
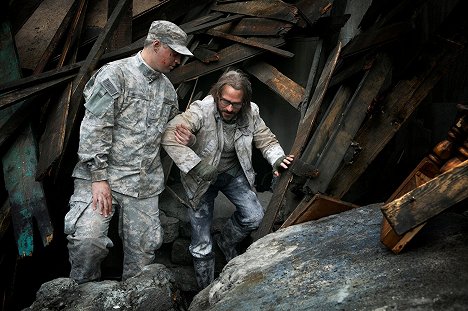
[(99, 175), (194, 141)]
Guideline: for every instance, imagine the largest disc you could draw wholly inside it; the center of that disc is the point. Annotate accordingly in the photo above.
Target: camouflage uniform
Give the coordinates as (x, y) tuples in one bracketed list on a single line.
[(127, 107), (203, 119)]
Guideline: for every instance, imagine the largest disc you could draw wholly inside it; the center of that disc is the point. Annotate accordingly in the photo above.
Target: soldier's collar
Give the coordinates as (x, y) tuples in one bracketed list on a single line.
[(147, 71)]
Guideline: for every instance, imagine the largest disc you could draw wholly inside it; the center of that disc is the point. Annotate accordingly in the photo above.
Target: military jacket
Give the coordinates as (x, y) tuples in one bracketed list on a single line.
[(127, 105), (203, 119)]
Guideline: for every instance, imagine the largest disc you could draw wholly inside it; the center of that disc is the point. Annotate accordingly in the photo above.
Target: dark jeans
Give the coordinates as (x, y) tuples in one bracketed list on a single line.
[(248, 214)]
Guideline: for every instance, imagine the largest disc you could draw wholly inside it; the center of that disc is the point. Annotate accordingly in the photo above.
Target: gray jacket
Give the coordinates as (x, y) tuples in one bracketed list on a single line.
[(203, 119), (127, 105)]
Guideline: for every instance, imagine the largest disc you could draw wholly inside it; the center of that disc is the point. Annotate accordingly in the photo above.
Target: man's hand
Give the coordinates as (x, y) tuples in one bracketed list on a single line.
[(102, 197), (282, 164), (184, 136), (205, 171)]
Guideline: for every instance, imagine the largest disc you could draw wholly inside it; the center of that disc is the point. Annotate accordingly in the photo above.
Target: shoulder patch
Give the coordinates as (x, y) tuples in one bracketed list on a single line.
[(110, 87)]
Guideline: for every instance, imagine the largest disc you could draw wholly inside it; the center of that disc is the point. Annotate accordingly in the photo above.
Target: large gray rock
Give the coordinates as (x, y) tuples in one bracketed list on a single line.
[(338, 263), (153, 289)]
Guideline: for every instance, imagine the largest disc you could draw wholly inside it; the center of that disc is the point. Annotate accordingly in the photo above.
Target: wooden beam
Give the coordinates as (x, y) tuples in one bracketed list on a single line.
[(428, 200), (327, 125), (250, 42), (289, 90), (274, 9), (343, 133), (25, 195), (315, 208), (256, 26), (233, 54), (303, 133), (55, 149), (398, 105)]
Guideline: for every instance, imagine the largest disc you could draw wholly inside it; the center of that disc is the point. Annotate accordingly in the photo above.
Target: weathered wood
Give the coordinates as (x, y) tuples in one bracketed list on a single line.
[(212, 24), (351, 120), (376, 38), (315, 208), (311, 78), (205, 56), (5, 218), (424, 171), (303, 133), (253, 43), (256, 26), (312, 10), (55, 149), (122, 35), (228, 56), (170, 10), (274, 9), (428, 200), (289, 90), (11, 98), (327, 125), (398, 105), (56, 39), (26, 196)]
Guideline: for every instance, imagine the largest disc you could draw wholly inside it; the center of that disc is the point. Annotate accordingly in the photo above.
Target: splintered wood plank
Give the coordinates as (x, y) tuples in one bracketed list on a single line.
[(398, 105), (312, 10), (12, 98), (327, 125), (256, 26), (351, 120), (55, 149), (303, 133), (5, 218), (253, 43), (274, 9), (424, 172), (289, 90), (228, 56), (205, 56), (25, 195), (315, 208), (376, 38), (428, 200)]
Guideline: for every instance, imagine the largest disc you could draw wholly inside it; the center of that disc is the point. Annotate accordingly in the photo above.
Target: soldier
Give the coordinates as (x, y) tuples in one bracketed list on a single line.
[(219, 158), (128, 103)]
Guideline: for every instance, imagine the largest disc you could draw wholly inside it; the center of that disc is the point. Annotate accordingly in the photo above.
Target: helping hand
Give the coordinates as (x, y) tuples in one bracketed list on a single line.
[(282, 164), (184, 136)]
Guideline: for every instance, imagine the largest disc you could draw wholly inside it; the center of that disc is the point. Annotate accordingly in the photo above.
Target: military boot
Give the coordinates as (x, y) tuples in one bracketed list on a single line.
[(204, 270)]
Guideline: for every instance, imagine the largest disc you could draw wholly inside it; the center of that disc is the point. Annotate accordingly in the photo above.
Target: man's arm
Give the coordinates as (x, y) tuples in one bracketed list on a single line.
[(96, 138)]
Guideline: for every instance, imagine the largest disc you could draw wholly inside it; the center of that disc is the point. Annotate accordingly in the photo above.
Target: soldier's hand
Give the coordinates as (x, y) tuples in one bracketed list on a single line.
[(102, 197), (205, 171), (184, 136), (282, 164)]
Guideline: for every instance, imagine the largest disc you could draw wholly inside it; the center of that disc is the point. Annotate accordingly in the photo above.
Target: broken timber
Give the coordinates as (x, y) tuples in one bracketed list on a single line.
[(26, 195), (289, 90), (55, 149), (303, 132), (428, 200)]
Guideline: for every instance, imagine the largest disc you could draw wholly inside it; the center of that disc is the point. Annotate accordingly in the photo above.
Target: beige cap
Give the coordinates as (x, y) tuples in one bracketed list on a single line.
[(170, 34)]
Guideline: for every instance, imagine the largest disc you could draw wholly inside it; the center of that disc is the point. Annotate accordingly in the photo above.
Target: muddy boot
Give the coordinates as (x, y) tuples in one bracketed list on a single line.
[(230, 236), (204, 270)]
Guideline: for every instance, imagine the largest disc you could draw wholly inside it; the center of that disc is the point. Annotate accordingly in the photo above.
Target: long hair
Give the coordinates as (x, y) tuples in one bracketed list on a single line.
[(236, 79)]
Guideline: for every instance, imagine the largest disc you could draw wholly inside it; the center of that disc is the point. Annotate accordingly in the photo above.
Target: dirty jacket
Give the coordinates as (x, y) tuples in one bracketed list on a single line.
[(127, 105), (203, 119)]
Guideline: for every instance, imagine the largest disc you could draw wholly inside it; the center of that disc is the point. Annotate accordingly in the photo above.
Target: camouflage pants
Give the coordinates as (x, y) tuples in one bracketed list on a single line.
[(139, 229), (247, 217)]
